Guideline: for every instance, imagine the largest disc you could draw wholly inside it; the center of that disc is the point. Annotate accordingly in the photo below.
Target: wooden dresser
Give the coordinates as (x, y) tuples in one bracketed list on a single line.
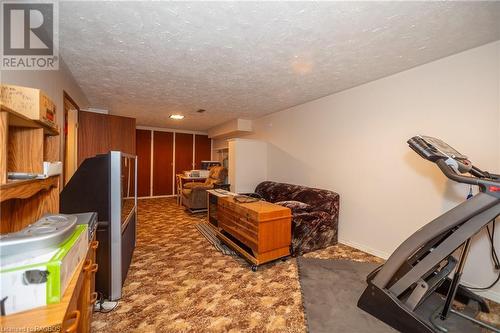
[(260, 231)]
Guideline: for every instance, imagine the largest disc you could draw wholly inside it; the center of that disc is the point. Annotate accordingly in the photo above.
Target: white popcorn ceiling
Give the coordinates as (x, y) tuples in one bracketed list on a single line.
[(246, 59)]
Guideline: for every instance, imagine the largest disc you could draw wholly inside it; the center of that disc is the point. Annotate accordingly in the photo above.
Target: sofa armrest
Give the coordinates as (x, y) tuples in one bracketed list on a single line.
[(312, 231)]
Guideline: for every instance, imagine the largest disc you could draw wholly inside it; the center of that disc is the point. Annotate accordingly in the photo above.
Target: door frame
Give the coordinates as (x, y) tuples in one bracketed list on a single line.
[(71, 101)]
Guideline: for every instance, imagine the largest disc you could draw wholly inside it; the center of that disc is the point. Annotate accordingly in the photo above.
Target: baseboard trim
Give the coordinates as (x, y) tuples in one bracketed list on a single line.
[(489, 294), (364, 248)]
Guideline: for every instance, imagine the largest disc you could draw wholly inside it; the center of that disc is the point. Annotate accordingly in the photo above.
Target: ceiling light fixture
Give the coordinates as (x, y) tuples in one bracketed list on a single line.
[(176, 116)]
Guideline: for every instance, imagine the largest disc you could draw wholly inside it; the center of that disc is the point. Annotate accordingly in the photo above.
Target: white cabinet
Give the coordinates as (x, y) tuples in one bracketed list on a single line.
[(247, 164)]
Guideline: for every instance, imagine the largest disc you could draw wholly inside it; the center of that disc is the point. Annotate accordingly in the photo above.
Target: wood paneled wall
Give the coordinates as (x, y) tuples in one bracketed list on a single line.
[(99, 133), (183, 152), (162, 177), (203, 150), (163, 149)]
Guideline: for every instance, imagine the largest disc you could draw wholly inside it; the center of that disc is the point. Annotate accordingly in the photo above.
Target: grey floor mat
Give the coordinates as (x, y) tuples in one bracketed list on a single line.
[(330, 291)]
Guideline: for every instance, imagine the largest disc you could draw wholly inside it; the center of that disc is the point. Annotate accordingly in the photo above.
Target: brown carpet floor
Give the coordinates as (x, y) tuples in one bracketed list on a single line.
[(179, 283)]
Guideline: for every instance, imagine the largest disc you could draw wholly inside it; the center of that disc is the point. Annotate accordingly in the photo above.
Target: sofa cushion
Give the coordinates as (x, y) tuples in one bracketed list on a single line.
[(295, 206)]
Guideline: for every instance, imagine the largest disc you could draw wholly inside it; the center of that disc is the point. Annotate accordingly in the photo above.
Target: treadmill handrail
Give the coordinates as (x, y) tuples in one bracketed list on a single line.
[(451, 174), (444, 249), (443, 223)]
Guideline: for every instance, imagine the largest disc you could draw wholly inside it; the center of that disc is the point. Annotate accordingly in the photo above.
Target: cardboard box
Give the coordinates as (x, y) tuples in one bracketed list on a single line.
[(31, 103), (42, 280)]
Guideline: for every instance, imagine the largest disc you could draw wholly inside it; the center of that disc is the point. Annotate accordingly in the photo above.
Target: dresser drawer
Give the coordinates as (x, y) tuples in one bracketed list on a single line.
[(248, 224), (228, 223)]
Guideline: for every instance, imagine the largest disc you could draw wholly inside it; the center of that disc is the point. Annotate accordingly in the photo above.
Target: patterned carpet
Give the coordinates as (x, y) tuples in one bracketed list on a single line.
[(179, 283)]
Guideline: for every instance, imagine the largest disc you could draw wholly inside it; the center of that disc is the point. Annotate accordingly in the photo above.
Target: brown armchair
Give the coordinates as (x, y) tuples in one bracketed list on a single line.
[(194, 195)]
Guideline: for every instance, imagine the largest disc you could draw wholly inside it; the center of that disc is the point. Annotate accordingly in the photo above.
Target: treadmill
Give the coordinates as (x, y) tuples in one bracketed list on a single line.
[(412, 291)]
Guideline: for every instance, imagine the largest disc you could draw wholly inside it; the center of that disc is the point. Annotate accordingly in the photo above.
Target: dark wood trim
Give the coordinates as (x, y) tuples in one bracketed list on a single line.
[(62, 152), (71, 100)]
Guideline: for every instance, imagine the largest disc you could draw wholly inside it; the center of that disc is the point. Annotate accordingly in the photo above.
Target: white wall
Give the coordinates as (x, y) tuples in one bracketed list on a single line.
[(247, 164), (52, 83), (354, 142)]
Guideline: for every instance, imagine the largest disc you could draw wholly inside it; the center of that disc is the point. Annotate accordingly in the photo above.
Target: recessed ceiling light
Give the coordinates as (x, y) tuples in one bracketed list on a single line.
[(176, 116)]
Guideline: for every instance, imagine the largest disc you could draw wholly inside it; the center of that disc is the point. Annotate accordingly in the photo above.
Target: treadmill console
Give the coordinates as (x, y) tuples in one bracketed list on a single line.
[(434, 149)]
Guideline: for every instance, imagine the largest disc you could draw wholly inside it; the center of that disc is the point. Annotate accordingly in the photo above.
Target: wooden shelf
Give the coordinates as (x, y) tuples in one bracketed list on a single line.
[(25, 143), (23, 189), (16, 119)]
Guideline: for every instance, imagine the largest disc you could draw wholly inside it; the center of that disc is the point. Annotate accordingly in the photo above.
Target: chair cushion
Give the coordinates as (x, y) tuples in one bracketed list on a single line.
[(295, 206), (193, 185)]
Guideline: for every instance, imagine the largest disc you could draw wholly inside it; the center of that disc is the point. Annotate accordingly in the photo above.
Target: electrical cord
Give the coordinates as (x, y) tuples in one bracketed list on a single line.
[(491, 236), (494, 257), (99, 305)]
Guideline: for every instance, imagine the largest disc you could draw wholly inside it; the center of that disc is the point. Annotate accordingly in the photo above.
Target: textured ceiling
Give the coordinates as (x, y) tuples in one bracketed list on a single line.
[(246, 59)]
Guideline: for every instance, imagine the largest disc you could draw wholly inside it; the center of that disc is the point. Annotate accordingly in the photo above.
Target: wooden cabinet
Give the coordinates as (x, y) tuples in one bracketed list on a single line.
[(87, 296), (143, 151), (263, 230), (99, 133), (163, 149)]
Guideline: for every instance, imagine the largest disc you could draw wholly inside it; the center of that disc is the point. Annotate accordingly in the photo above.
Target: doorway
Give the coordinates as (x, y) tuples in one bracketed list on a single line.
[(70, 137)]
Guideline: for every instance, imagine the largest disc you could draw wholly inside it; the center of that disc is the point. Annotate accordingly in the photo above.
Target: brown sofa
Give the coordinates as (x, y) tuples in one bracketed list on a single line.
[(315, 214), (194, 195)]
